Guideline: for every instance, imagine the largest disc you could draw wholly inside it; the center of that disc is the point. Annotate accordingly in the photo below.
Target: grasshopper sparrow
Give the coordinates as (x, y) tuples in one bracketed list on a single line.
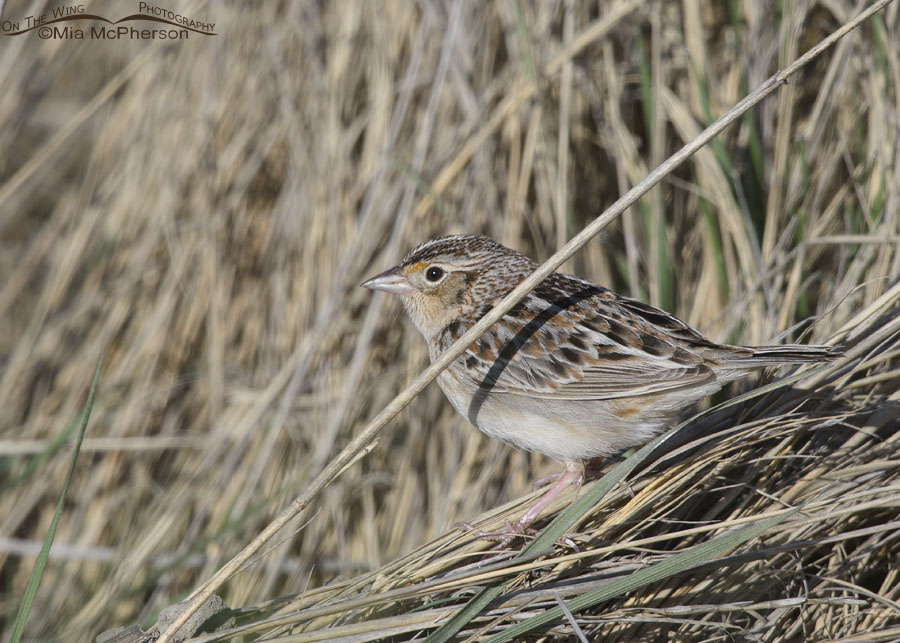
[(573, 371)]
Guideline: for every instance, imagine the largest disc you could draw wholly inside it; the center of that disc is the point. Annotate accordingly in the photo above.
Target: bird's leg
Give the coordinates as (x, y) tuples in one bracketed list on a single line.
[(591, 468), (574, 473), (540, 482)]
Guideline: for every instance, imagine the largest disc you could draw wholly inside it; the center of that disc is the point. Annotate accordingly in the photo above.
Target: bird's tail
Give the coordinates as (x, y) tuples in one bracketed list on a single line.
[(786, 354)]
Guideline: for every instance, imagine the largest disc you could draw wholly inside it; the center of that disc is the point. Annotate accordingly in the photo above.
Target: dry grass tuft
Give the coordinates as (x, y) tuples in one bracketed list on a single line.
[(204, 211)]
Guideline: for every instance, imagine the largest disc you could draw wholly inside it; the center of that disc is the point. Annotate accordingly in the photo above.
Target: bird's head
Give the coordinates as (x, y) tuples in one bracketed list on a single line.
[(452, 278)]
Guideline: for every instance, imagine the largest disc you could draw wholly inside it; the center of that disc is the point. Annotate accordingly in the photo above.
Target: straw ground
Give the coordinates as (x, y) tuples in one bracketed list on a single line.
[(204, 211)]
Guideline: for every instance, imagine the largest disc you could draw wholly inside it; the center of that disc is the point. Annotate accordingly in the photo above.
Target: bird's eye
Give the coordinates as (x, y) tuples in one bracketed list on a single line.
[(434, 274)]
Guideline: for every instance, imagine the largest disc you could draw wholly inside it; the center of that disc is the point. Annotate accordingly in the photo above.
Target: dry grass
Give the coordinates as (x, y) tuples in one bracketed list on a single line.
[(204, 211)]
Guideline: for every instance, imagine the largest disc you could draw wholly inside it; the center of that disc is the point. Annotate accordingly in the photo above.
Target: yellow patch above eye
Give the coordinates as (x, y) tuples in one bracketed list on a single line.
[(417, 266)]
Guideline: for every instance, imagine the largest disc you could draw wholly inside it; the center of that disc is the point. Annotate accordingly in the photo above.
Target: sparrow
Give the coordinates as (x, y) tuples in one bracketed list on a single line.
[(573, 371)]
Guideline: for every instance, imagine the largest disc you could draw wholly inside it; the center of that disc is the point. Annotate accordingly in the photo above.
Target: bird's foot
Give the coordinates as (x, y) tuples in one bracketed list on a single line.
[(510, 531), (522, 527)]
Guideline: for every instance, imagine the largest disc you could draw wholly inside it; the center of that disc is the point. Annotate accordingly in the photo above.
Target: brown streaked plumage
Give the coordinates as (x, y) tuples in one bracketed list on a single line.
[(573, 371)]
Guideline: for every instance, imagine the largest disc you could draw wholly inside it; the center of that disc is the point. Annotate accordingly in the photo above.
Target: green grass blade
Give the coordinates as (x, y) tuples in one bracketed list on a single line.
[(675, 564), (41, 562), (714, 239)]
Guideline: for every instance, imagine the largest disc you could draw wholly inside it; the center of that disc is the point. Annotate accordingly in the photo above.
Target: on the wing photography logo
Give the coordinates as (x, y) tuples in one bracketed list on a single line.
[(72, 22)]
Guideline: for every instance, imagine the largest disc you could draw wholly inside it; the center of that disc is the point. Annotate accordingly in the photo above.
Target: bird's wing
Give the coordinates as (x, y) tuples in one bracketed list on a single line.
[(572, 340)]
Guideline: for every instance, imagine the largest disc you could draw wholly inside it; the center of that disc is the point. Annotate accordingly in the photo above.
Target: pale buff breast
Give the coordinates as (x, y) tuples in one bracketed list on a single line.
[(565, 430)]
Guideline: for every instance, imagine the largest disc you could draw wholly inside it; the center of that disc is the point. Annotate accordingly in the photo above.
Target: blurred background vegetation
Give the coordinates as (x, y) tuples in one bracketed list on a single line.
[(203, 212)]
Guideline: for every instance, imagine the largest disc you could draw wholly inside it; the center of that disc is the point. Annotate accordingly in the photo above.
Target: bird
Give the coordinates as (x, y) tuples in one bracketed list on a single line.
[(573, 371)]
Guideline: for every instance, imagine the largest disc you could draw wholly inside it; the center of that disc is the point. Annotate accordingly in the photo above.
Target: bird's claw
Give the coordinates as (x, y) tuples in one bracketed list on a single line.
[(502, 537)]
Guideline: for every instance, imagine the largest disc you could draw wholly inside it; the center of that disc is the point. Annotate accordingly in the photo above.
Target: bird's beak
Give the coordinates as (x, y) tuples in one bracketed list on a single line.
[(392, 281)]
